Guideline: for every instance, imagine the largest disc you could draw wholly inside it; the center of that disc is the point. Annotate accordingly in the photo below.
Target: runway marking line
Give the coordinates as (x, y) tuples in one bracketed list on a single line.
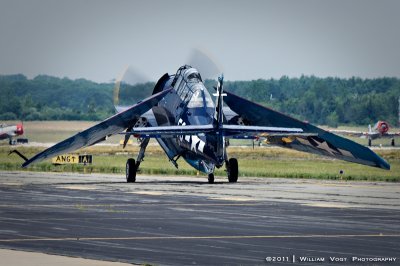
[(192, 237), (355, 185), (78, 187), (128, 204), (232, 198), (330, 205), (151, 193), (12, 184)]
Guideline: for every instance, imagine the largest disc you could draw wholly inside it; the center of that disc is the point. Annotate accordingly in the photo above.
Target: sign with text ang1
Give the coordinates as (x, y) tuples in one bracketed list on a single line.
[(72, 159)]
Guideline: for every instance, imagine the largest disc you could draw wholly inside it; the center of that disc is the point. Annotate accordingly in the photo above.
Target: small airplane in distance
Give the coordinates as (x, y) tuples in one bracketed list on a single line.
[(380, 130), (187, 123), (10, 132)]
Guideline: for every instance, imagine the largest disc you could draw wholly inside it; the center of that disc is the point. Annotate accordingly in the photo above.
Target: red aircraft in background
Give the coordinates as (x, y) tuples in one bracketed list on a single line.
[(11, 131), (380, 130)]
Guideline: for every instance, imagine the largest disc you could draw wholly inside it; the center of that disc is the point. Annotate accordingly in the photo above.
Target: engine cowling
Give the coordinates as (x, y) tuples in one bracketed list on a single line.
[(382, 127), (19, 130)]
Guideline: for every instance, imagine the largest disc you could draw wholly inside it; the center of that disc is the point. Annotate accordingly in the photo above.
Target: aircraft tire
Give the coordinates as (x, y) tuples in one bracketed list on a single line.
[(211, 178), (131, 170), (233, 170)]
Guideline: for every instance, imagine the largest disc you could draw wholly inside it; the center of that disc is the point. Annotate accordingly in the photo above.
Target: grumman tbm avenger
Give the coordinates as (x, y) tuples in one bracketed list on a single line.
[(182, 116)]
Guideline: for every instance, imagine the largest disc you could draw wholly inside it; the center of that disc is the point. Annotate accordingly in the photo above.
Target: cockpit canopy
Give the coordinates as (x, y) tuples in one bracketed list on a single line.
[(190, 88), (200, 98), (195, 76)]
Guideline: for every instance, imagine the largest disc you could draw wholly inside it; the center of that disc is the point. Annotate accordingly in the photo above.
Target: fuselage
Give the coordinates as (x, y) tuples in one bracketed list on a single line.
[(189, 104), (9, 131)]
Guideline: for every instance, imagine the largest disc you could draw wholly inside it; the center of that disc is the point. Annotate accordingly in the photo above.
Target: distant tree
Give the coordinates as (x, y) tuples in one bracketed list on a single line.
[(331, 100), (8, 116)]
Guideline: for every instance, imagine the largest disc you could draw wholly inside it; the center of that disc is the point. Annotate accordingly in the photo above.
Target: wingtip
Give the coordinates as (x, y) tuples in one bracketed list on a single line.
[(387, 166), (384, 165)]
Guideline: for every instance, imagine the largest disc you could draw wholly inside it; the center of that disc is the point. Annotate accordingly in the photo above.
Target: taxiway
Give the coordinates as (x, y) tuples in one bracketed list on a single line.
[(185, 220)]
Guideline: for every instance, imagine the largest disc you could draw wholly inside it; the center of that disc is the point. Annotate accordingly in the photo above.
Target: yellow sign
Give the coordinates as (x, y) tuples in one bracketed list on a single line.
[(130, 142), (85, 159), (65, 159), (72, 159)]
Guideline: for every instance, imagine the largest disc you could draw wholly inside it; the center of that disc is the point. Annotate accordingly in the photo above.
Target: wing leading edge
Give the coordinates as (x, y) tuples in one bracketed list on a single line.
[(101, 131), (323, 143)]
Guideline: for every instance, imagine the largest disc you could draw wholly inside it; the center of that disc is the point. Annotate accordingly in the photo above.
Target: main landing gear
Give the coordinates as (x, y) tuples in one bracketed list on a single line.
[(132, 166), (232, 168), (131, 169), (211, 178)]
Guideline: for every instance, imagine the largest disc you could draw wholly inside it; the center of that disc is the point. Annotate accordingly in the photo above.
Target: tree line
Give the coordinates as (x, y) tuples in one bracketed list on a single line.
[(51, 98), (324, 101)]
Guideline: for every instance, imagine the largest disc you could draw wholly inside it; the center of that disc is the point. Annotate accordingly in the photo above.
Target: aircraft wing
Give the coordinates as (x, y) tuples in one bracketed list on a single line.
[(372, 135), (101, 131), (390, 135), (350, 133), (323, 142)]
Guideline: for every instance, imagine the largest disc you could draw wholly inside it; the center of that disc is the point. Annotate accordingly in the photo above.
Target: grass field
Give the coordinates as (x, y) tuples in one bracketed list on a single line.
[(55, 131), (261, 161)]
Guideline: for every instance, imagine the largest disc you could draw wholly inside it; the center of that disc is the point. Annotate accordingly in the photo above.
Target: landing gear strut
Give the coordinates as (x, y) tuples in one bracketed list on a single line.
[(232, 169), (132, 166)]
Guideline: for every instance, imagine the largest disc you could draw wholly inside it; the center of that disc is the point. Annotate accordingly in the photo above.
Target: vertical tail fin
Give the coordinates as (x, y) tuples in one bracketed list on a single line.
[(219, 104), (219, 120)]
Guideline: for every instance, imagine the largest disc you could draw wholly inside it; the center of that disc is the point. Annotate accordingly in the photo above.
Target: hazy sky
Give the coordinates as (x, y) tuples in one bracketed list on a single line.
[(250, 39)]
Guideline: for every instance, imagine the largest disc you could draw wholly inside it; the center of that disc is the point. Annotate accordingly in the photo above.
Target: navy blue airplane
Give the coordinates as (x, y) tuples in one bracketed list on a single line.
[(182, 116)]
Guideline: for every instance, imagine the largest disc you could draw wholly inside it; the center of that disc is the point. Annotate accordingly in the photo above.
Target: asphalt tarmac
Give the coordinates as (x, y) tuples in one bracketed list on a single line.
[(185, 221)]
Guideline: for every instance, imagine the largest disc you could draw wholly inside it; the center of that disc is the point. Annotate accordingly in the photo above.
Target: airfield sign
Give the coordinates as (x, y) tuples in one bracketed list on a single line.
[(72, 159), (85, 159)]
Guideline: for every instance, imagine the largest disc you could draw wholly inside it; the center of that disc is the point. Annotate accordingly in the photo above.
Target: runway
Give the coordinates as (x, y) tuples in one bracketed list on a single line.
[(185, 221)]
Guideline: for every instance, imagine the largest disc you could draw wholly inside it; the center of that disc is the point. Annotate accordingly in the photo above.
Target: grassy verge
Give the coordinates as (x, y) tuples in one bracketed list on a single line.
[(259, 162)]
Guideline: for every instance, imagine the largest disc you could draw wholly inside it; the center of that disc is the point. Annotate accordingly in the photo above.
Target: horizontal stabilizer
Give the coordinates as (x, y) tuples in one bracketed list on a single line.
[(233, 131), (169, 131), (238, 131)]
